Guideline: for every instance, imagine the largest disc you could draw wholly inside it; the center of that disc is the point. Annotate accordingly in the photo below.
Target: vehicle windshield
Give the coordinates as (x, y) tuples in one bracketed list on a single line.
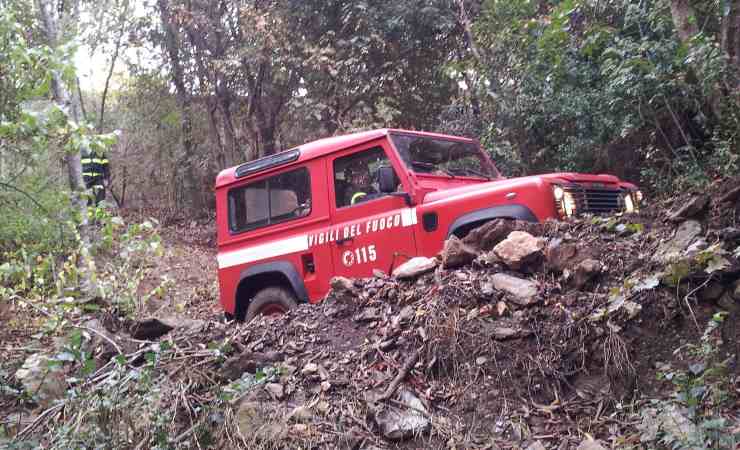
[(434, 156)]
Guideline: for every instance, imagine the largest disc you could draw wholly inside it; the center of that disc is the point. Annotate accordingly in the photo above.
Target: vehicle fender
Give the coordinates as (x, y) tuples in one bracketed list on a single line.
[(285, 268), (511, 211)]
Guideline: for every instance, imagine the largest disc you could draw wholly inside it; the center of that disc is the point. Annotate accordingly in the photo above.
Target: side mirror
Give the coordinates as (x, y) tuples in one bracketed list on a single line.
[(387, 180)]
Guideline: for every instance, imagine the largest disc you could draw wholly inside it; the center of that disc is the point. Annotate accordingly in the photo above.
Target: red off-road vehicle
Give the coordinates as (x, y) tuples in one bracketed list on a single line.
[(289, 222)]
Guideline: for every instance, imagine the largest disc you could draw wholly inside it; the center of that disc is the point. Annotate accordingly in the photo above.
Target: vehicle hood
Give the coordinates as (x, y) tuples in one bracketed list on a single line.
[(513, 183)]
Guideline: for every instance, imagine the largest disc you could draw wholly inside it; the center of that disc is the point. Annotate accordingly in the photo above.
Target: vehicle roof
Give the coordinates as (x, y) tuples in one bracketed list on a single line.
[(325, 146)]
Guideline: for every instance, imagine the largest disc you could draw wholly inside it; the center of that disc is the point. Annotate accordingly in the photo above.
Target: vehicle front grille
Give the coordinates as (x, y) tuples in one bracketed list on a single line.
[(596, 200)]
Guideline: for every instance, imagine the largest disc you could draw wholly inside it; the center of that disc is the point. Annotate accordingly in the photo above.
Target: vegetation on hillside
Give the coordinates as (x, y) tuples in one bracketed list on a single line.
[(646, 89)]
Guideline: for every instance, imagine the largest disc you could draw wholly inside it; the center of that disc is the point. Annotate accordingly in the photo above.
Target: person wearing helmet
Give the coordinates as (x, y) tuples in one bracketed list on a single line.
[(360, 186)]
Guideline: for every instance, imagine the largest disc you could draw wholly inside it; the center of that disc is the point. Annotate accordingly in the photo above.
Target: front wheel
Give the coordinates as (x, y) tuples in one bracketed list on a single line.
[(270, 301)]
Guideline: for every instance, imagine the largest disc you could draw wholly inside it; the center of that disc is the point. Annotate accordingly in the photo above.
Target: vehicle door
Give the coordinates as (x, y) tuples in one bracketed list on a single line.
[(369, 229)]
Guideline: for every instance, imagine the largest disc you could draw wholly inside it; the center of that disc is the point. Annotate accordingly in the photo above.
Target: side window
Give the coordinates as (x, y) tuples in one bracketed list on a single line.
[(276, 199), (355, 176)]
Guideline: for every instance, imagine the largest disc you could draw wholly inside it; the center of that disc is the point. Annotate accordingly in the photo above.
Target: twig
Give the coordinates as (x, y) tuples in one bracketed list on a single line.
[(38, 420), (407, 366), (109, 340)]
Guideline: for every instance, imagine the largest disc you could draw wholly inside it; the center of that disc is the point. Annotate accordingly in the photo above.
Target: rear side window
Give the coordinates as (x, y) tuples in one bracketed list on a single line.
[(273, 200)]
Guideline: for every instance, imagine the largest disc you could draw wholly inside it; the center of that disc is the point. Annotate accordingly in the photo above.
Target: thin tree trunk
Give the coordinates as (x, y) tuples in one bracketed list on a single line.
[(730, 30), (70, 105), (113, 60), (185, 104)]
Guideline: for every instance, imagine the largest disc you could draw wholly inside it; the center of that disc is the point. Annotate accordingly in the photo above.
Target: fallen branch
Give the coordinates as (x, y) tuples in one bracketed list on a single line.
[(407, 366)]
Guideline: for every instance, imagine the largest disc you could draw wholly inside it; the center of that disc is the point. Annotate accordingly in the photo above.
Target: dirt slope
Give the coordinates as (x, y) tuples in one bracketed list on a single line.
[(523, 336)]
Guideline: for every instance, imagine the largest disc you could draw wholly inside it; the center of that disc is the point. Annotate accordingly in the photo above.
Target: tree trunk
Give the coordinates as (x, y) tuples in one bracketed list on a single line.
[(190, 185), (730, 29), (684, 19), (70, 105)]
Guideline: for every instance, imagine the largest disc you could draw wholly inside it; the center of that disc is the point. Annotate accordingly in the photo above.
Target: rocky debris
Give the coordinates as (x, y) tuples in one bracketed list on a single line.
[(520, 291), (410, 420), (149, 329), (674, 248), (276, 390), (696, 205), (415, 267), (248, 362), (342, 285), (520, 251), (585, 272), (488, 235), (257, 424), (505, 329), (546, 351), (672, 420), (590, 444), (456, 253), (41, 379), (368, 315)]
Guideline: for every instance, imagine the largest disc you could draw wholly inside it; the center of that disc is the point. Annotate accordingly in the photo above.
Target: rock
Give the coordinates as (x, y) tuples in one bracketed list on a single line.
[(249, 362), (406, 314), (255, 423), (398, 423), (519, 250), (674, 248), (590, 444), (369, 314), (149, 329), (696, 205), (502, 333), (560, 256), (672, 420), (536, 445), (728, 303), (585, 272), (38, 379), (415, 267), (712, 291), (487, 236), (342, 285), (522, 292), (310, 369), (276, 390), (183, 323), (697, 246), (487, 289), (456, 253), (301, 414)]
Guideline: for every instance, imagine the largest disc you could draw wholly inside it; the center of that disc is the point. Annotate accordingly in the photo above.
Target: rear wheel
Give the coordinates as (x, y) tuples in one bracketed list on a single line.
[(270, 301)]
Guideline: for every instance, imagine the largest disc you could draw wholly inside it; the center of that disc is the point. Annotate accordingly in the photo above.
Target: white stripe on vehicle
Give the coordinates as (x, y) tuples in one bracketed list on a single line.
[(408, 217), (263, 251), (303, 242)]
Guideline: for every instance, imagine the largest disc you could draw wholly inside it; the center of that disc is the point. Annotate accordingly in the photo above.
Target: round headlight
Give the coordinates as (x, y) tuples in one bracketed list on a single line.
[(558, 192)]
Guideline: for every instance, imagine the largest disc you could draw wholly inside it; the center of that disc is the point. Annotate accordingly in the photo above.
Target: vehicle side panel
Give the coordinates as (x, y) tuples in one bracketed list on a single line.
[(285, 242)]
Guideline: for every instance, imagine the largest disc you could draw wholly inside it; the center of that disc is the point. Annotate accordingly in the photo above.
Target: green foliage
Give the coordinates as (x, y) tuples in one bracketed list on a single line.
[(608, 87), (701, 390)]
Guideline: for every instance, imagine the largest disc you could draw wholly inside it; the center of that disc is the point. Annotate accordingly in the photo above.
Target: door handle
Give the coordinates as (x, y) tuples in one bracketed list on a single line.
[(344, 241)]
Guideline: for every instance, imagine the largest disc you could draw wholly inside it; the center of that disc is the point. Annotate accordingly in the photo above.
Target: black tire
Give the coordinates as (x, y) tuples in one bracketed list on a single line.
[(273, 300)]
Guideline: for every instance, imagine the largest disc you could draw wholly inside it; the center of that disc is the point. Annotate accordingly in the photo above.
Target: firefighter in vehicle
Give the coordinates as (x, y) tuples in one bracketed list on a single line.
[(95, 172)]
